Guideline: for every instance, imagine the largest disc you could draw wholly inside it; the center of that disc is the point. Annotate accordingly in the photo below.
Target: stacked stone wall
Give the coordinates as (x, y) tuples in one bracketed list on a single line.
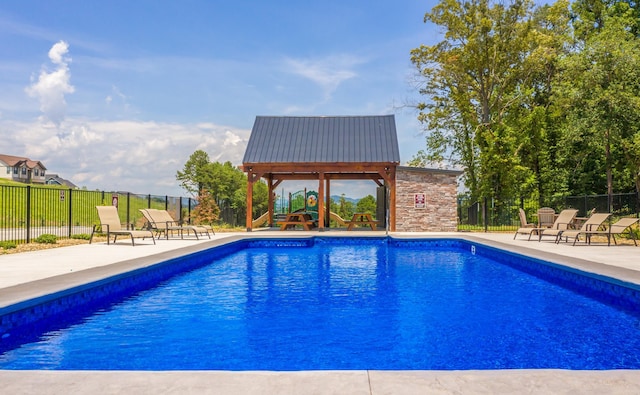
[(440, 207)]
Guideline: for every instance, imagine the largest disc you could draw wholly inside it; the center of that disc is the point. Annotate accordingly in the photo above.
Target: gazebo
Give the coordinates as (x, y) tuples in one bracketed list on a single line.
[(322, 148)]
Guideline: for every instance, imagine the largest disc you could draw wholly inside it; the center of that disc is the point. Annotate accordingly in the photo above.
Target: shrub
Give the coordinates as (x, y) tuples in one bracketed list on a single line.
[(7, 245), (46, 239), (81, 236)]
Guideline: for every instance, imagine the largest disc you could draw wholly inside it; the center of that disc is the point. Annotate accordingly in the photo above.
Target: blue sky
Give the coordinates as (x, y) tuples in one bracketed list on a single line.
[(116, 95)]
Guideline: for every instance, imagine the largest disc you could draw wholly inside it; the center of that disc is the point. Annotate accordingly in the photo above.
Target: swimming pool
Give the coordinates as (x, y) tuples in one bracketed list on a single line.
[(338, 303)]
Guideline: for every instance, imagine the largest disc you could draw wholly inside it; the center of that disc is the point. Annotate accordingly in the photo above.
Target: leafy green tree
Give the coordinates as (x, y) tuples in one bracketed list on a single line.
[(599, 94), (472, 81), (344, 208), (195, 175), (367, 205), (260, 201), (536, 118), (226, 184)]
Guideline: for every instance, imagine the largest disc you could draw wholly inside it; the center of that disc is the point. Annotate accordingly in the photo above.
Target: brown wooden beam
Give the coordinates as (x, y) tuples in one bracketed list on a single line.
[(270, 199), (321, 213), (249, 202), (328, 199), (278, 182)]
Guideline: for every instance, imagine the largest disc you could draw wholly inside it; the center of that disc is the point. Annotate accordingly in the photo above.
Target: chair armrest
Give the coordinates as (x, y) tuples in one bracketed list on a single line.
[(563, 223)]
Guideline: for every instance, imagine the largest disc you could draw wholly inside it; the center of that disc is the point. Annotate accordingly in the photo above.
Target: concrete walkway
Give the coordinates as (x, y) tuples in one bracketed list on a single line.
[(34, 274)]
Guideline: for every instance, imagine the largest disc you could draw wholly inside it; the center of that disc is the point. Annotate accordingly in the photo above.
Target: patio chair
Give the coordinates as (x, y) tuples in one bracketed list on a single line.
[(161, 222), (209, 228), (546, 217), (110, 224), (526, 228), (562, 223), (618, 228), (593, 223)]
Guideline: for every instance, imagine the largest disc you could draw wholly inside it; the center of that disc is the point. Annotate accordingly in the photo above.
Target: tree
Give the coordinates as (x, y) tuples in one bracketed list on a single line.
[(225, 183), (195, 175), (344, 208), (487, 89), (367, 205), (472, 82), (600, 95), (536, 119), (207, 211)]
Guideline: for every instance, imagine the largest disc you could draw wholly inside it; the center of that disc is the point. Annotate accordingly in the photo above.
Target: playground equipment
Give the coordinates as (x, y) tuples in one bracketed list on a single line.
[(260, 220), (306, 201)]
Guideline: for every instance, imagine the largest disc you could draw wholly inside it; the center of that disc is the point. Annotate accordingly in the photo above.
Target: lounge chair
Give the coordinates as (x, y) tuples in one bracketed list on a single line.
[(110, 224), (593, 223), (161, 222), (562, 223), (546, 217), (618, 228), (526, 228)]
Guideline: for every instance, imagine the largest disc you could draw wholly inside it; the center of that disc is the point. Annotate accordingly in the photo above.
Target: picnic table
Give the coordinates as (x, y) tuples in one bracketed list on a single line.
[(362, 219), (294, 219)]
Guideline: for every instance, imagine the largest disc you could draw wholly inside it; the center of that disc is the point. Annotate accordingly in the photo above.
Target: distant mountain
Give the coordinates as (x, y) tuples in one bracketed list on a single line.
[(336, 198)]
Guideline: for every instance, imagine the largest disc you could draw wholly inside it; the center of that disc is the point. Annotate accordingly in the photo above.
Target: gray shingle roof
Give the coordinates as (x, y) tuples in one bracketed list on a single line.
[(343, 139)]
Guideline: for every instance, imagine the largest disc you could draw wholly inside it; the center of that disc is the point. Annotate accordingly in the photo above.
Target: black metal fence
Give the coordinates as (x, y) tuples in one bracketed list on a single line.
[(492, 215), (27, 212)]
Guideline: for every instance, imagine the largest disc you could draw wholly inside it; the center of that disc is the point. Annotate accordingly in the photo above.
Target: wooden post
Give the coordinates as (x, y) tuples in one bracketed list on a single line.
[(328, 208), (249, 200), (321, 213), (270, 202)]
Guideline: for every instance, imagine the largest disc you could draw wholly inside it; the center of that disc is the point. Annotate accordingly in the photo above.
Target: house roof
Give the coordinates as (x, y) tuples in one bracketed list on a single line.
[(54, 178), (11, 160), (328, 139)]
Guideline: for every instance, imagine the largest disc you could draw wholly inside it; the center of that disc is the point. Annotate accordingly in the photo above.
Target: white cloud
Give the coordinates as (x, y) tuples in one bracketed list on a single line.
[(328, 73), (50, 87), (140, 157)]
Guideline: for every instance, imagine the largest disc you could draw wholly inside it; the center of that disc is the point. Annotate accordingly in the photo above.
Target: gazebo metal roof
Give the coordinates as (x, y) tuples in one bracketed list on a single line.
[(335, 139)]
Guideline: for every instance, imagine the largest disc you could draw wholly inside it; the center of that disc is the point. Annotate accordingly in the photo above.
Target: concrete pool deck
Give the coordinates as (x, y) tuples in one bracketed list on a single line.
[(34, 274)]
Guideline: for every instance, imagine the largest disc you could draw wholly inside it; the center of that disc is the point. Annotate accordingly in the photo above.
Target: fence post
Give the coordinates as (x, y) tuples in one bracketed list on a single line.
[(28, 223), (70, 218), (485, 211), (129, 210), (166, 202)]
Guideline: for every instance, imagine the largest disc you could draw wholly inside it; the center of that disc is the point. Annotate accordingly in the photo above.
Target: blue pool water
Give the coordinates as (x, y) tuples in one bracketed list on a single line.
[(368, 304)]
